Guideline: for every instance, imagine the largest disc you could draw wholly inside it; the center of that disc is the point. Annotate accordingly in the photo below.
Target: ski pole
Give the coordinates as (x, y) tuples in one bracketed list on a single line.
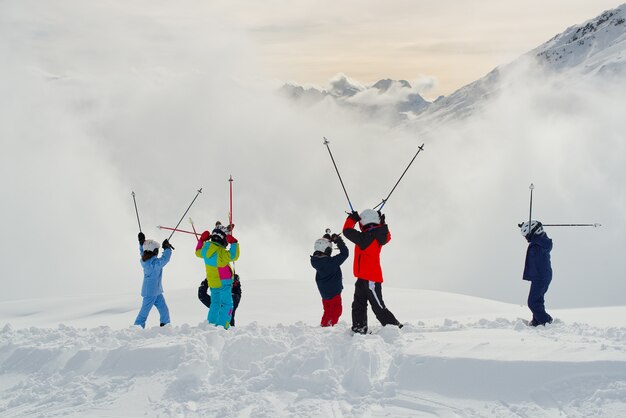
[(182, 217), (230, 211), (136, 211), (381, 204), (193, 227), (595, 225), (326, 142), (530, 215), (175, 229)]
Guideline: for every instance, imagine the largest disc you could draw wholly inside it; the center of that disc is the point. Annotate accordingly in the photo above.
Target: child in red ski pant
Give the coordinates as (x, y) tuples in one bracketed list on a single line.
[(328, 276)]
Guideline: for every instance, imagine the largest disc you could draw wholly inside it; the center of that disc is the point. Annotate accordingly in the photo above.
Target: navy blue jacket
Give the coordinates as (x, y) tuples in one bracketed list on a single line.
[(537, 266), (328, 276)]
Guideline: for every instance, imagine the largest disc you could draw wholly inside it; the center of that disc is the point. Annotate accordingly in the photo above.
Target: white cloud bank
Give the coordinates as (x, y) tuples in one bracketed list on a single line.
[(158, 99)]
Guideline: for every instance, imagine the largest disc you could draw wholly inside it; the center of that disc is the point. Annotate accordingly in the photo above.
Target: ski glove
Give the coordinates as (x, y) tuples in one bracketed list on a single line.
[(354, 216), (539, 225), (166, 244), (337, 239), (382, 217), (205, 236), (230, 239), (141, 237)]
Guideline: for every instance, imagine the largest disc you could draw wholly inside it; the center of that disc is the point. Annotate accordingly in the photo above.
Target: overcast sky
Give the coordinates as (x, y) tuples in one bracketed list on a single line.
[(453, 41)]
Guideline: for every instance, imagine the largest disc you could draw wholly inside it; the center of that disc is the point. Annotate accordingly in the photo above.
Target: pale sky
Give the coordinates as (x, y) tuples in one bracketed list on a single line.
[(453, 41)]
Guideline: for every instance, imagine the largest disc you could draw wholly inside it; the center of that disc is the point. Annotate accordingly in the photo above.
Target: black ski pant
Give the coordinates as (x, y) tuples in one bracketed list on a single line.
[(203, 294), (236, 299), (364, 291), (205, 298)]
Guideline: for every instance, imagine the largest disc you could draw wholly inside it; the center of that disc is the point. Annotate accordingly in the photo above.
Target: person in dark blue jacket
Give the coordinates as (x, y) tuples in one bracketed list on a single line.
[(328, 276), (152, 287), (537, 270)]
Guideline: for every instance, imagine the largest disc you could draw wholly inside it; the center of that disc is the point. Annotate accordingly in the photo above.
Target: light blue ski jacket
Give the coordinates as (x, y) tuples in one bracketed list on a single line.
[(153, 273)]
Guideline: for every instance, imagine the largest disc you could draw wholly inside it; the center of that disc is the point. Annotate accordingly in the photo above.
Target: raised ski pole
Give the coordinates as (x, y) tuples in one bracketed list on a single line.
[(176, 230), (136, 211), (530, 215), (193, 227), (595, 225), (381, 204), (230, 211), (182, 217), (326, 142)]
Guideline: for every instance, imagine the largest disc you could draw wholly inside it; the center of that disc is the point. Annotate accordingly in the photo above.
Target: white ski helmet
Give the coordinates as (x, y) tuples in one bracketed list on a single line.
[(369, 216), (322, 245), (526, 230), (151, 245)]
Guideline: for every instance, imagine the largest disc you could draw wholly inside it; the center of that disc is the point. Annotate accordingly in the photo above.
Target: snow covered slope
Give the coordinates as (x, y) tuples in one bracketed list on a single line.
[(596, 46), (458, 356)]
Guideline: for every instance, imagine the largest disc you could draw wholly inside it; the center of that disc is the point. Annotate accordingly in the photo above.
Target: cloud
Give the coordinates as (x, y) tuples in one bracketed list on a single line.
[(342, 85), (160, 109), (424, 83), (163, 108), (96, 113), (559, 132), (393, 93)]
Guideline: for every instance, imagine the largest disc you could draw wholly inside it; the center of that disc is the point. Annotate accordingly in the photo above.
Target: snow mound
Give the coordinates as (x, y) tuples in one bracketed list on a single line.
[(445, 366)]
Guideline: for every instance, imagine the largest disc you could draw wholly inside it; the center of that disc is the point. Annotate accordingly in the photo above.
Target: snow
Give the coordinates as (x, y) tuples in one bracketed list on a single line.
[(456, 356), (593, 44)]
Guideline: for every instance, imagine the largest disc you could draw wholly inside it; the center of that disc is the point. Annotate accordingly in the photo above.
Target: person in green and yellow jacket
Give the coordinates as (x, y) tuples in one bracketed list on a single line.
[(218, 249)]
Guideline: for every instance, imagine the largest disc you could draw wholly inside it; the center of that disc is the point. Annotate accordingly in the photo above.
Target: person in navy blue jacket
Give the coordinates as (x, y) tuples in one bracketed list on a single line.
[(152, 287), (537, 270), (328, 276)]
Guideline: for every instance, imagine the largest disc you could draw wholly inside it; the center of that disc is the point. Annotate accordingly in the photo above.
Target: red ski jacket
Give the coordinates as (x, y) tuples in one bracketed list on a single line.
[(368, 244)]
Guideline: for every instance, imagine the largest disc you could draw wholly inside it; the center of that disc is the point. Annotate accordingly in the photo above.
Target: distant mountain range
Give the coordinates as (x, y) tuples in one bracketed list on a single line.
[(395, 96), (595, 48)]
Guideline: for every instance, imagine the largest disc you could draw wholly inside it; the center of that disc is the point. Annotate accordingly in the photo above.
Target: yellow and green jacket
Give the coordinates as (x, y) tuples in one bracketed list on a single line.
[(216, 260)]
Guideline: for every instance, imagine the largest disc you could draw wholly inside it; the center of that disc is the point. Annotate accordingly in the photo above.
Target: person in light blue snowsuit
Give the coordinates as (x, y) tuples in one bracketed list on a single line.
[(537, 270), (152, 288)]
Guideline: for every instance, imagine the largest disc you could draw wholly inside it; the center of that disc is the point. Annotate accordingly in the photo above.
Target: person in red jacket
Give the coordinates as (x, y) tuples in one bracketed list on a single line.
[(368, 287)]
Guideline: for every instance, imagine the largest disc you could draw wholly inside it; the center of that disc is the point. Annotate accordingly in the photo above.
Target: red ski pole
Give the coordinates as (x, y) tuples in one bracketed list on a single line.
[(230, 212), (175, 229)]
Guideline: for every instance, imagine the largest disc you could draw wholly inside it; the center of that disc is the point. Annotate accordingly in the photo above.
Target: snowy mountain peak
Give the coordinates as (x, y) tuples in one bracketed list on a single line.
[(586, 43), (386, 95), (342, 86), (386, 84), (614, 18)]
